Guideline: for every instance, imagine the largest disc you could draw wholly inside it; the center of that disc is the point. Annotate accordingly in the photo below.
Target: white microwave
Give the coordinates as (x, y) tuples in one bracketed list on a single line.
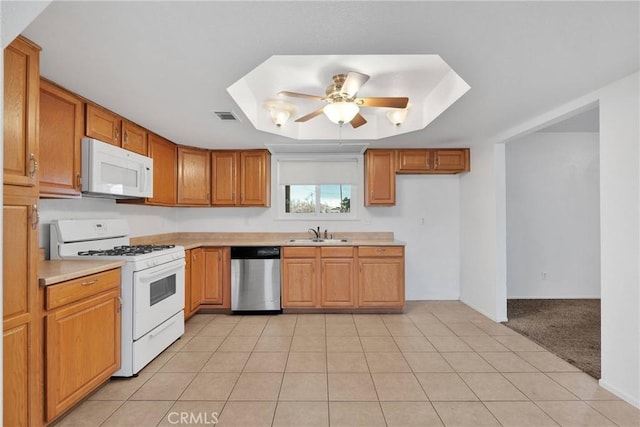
[(110, 171)]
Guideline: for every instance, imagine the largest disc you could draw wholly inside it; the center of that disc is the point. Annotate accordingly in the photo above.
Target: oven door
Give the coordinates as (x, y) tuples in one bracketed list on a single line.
[(158, 294)]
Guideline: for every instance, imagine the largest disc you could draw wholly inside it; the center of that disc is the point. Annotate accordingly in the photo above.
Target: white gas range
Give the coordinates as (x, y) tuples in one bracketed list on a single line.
[(152, 284)]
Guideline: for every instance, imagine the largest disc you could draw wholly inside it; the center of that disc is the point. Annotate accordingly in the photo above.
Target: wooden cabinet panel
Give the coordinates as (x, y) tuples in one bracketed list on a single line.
[(134, 138), (197, 277), (60, 140), (165, 170), (16, 368), (224, 184), (299, 282), (338, 284), (381, 280), (380, 177), (241, 178), (103, 125), (255, 178), (194, 177), (451, 160), (81, 288), (215, 289), (414, 160), (82, 349), (380, 251), (20, 112), (299, 252), (212, 287)]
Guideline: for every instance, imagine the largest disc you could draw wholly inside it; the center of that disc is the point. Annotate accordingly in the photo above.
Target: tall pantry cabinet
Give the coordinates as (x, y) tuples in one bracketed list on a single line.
[(22, 342)]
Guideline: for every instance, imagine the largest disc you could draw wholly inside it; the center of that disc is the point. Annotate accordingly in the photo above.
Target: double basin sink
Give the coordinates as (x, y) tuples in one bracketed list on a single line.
[(324, 241)]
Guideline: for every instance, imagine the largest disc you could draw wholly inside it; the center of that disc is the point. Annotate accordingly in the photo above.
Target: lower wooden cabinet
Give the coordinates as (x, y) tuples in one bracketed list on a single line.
[(299, 278), (337, 277), (187, 284), (216, 292), (82, 338), (196, 280), (381, 277)]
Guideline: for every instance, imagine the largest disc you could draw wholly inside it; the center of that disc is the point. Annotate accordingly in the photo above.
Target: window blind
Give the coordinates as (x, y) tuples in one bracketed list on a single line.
[(317, 172)]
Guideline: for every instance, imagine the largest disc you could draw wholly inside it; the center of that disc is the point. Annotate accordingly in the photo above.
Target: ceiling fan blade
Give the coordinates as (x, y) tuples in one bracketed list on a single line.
[(353, 83), (299, 95), (358, 121), (310, 115), (383, 102)]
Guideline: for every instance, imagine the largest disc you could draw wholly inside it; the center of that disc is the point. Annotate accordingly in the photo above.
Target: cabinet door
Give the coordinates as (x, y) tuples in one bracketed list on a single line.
[(103, 125), (414, 160), (21, 327), (381, 282), (83, 349), (452, 160), (194, 177), (224, 185), (165, 170), (134, 138), (212, 289), (20, 112), (255, 178), (299, 282), (61, 124), (337, 282), (197, 278), (380, 177)]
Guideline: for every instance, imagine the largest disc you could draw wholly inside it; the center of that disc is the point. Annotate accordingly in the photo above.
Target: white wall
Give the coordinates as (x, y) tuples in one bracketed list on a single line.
[(553, 216), (620, 237), (482, 247)]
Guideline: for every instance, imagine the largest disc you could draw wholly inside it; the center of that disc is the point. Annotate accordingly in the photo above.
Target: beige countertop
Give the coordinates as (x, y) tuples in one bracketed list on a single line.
[(194, 240), (52, 272)]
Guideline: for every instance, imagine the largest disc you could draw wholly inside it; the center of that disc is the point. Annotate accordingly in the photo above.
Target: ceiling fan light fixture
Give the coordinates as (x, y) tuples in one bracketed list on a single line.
[(280, 116), (341, 112), (397, 116)]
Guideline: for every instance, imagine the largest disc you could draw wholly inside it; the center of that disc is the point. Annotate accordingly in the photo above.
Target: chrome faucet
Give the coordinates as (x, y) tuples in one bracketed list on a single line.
[(315, 232)]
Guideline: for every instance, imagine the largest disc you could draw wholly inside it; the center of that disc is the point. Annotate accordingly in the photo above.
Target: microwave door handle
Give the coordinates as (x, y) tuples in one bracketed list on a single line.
[(144, 178), (162, 272)]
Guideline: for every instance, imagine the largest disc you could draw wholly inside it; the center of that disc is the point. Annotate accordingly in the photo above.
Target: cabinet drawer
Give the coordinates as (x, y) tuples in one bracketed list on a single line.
[(374, 251), (298, 252), (82, 287), (336, 252)]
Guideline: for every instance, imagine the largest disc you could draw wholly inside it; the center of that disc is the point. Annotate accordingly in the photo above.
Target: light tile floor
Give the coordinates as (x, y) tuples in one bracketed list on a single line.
[(439, 363)]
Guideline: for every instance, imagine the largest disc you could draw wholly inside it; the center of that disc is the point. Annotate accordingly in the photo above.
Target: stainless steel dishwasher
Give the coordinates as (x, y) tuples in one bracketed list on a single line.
[(255, 279)]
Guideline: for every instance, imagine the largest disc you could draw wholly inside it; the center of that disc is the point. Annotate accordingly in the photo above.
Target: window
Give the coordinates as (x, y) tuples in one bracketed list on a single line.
[(324, 199), (319, 188)]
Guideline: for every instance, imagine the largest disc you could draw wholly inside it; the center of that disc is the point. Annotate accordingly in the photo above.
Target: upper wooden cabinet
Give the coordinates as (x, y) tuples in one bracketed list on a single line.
[(20, 112), (433, 161), (380, 177), (165, 170), (194, 176), (103, 125), (381, 167), (241, 178), (134, 137), (61, 125)]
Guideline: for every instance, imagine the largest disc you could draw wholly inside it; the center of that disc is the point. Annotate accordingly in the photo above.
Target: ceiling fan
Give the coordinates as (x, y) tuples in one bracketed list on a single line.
[(342, 104)]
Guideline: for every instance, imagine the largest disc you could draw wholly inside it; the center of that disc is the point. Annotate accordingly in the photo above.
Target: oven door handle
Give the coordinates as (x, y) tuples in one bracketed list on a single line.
[(160, 273)]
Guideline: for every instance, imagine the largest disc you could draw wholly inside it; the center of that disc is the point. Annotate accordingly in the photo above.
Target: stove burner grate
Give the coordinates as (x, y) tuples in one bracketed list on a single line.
[(126, 250)]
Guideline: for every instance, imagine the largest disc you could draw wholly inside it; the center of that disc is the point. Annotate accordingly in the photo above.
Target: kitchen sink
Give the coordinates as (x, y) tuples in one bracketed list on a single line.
[(327, 241)]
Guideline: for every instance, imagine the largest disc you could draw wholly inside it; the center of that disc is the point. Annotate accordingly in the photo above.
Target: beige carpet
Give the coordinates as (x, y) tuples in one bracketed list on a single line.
[(570, 328)]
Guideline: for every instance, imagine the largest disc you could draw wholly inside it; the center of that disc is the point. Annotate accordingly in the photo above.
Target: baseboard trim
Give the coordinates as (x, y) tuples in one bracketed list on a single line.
[(484, 313), (635, 401), (552, 297)]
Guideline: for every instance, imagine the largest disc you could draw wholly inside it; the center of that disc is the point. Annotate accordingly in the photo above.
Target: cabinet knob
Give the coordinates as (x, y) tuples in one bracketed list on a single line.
[(435, 163), (381, 250), (78, 182), (34, 165), (116, 133), (126, 137), (35, 217), (90, 282)]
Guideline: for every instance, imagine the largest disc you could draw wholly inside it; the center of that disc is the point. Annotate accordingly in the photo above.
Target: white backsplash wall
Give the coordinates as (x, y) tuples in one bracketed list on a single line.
[(426, 217), (143, 220), (553, 216)]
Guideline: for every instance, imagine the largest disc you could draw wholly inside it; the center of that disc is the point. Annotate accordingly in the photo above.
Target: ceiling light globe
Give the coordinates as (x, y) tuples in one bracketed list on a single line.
[(397, 116), (341, 112), (279, 116)]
